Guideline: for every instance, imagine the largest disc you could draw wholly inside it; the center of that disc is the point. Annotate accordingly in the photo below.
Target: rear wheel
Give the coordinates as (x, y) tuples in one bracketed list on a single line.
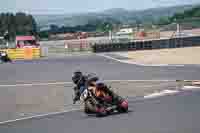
[(122, 110)]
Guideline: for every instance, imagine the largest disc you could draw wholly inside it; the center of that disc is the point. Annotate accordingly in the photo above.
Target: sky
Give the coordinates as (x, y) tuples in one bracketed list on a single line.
[(82, 6)]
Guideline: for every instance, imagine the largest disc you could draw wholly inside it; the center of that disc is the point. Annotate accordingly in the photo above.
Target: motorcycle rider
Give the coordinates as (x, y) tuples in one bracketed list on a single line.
[(80, 81), (99, 89), (4, 57)]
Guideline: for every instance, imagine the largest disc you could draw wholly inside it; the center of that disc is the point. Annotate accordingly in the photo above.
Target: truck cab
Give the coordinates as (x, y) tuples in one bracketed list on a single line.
[(26, 41)]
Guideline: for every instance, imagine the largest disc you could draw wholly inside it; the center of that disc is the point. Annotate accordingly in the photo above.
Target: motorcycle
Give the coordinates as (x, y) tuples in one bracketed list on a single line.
[(93, 105), (4, 57)]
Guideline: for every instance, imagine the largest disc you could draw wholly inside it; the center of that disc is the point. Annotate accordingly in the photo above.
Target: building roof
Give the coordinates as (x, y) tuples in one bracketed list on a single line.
[(23, 38)]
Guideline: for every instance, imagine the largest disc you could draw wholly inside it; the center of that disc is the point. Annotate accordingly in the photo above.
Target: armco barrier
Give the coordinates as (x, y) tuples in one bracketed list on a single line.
[(23, 53), (148, 44)]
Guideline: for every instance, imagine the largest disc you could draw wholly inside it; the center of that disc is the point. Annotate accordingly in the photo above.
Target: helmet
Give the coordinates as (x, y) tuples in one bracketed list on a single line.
[(100, 86), (77, 77), (92, 78)]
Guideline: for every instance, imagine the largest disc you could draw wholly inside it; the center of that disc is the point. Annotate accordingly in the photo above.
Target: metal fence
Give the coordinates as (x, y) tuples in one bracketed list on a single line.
[(64, 47), (167, 36), (148, 44)]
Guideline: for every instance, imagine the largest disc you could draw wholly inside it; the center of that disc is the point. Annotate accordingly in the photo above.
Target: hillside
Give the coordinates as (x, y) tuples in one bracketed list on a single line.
[(117, 14), (188, 19), (188, 14)]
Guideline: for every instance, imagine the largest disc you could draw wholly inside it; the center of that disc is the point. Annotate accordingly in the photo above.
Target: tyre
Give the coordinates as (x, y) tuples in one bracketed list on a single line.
[(87, 110), (123, 107), (122, 110), (89, 107), (102, 114)]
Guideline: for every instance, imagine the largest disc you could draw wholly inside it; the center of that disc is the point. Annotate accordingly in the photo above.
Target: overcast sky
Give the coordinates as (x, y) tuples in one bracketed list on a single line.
[(80, 6)]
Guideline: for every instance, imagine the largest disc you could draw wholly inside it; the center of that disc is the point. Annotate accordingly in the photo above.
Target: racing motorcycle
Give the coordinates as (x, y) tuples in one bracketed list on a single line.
[(93, 105), (4, 57)]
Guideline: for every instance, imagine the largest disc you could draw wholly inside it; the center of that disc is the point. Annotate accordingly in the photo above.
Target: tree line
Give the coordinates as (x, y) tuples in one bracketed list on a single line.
[(104, 25), (94, 25), (188, 15), (17, 24)]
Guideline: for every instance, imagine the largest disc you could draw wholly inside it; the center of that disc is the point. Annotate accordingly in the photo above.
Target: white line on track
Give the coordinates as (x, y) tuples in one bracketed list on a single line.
[(36, 84), (161, 93), (170, 92), (135, 63), (63, 83), (190, 87), (140, 80), (37, 116)]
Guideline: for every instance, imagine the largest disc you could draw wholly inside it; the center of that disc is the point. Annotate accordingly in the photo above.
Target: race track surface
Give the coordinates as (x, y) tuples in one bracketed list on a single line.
[(168, 114), (174, 114), (46, 70)]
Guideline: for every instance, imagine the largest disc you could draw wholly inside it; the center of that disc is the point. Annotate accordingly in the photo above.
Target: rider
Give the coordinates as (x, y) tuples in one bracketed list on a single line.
[(100, 90), (80, 81), (4, 57)]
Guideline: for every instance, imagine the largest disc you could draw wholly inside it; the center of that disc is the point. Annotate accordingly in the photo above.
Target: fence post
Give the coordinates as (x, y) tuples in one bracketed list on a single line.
[(44, 51)]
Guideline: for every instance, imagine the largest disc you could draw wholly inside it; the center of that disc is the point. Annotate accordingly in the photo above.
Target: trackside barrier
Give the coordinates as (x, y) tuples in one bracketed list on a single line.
[(23, 53), (148, 44)]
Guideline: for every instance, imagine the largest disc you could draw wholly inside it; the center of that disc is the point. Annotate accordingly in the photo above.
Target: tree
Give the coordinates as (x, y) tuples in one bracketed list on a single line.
[(21, 23), (43, 34), (32, 25), (17, 24), (12, 27), (163, 21), (188, 14)]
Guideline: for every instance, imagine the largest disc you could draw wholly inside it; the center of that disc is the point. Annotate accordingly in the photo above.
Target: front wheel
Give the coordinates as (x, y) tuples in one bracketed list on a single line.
[(89, 107), (92, 108), (123, 107)]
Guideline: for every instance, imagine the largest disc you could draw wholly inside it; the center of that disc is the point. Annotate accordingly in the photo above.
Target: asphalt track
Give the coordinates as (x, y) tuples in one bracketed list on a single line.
[(174, 114), (168, 114), (60, 70)]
